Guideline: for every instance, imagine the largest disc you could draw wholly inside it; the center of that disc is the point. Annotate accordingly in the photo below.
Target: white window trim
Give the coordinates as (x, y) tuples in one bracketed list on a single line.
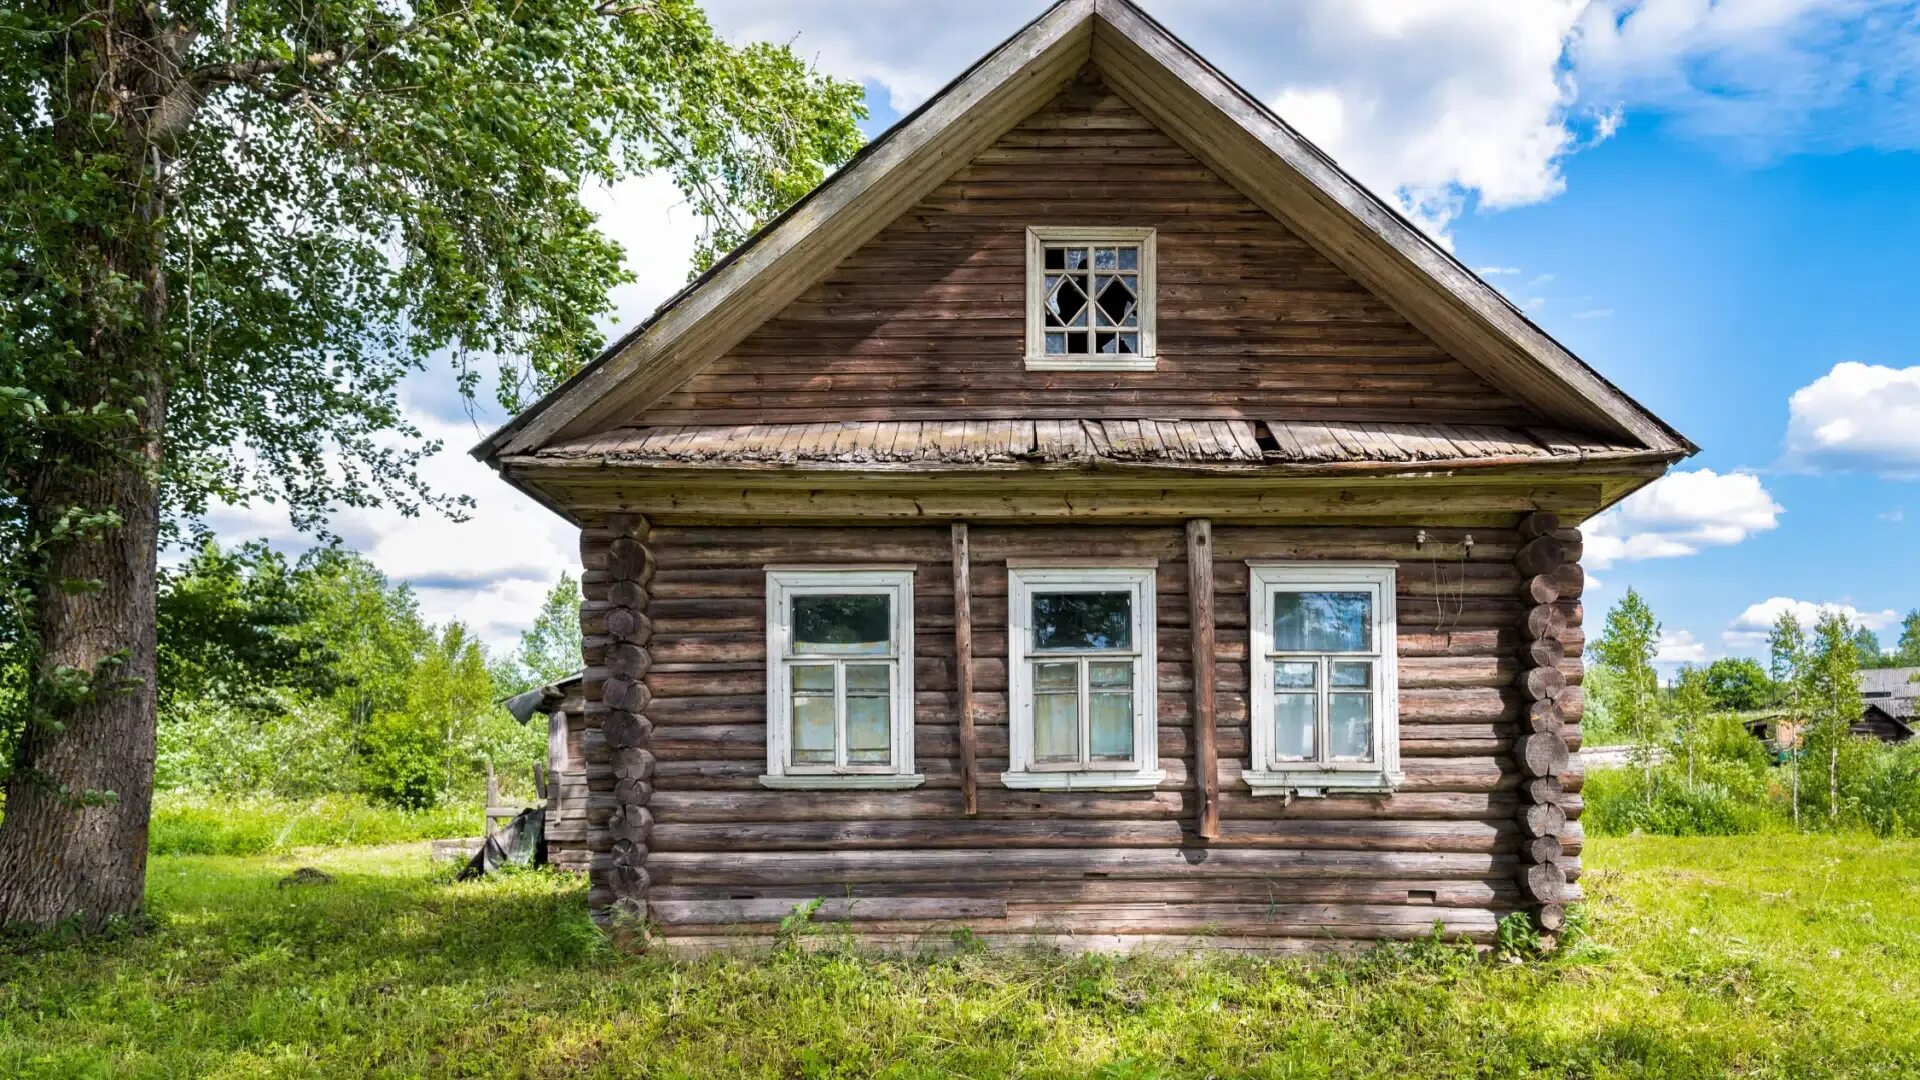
[(783, 583), (1382, 774), (1022, 774), (1037, 359)]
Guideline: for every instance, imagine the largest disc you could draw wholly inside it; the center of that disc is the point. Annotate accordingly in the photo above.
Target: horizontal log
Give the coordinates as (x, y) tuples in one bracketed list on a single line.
[(925, 835), (838, 909), (682, 868), (710, 807), (1385, 921)]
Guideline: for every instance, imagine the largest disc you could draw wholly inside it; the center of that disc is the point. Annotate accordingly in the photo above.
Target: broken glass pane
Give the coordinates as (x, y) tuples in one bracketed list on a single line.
[(1066, 304), (1117, 302), (1119, 343), (1056, 259)]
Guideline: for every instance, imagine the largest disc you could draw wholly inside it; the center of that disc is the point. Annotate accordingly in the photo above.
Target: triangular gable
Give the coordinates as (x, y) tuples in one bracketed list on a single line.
[(1231, 132), (927, 321)]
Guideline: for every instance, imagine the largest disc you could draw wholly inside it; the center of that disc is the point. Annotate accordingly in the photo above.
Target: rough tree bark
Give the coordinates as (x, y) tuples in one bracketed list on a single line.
[(73, 843)]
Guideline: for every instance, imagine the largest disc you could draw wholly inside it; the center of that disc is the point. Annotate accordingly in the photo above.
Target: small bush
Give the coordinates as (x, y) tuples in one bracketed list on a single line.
[(256, 825), (1724, 799)]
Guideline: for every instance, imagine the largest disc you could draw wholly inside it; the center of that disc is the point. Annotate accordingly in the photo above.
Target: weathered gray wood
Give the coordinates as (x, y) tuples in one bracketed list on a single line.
[(963, 667), (1206, 753)]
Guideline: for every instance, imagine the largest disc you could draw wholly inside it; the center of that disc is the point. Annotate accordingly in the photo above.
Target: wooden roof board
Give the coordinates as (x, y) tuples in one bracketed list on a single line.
[(1193, 103), (1053, 441)]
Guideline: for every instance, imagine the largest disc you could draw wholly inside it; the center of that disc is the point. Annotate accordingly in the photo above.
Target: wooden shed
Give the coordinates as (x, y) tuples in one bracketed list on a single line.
[(1089, 517)]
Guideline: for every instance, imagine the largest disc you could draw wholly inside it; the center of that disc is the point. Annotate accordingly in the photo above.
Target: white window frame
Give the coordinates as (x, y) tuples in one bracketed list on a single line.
[(1038, 236), (1264, 775), (1023, 773), (785, 583)]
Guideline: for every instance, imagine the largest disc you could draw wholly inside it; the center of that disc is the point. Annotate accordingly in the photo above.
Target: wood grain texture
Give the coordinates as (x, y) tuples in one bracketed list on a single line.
[(927, 319), (1451, 844)]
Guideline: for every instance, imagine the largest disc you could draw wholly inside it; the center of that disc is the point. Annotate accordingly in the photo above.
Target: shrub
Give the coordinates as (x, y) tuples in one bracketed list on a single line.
[(253, 825), (1725, 799)]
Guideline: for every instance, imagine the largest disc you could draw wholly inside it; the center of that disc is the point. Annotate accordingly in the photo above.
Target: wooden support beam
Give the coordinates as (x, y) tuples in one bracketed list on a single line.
[(1206, 754), (963, 667)]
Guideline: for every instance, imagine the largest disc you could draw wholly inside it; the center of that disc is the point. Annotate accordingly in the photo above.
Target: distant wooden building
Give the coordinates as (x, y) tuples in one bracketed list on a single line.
[(1889, 704), (1090, 517), (563, 705)]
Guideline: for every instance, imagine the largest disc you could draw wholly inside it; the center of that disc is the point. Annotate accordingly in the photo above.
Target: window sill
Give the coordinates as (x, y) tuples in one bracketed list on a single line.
[(1068, 363), (1315, 783), (1083, 781), (844, 782)]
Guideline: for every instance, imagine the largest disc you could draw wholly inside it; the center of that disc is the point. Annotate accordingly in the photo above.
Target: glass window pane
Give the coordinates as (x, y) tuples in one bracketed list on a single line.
[(1350, 726), (1110, 674), (1293, 726), (1056, 344), (854, 623), (1110, 719), (1082, 621), (1322, 621), (812, 715), (1351, 673), (1056, 712), (1076, 258), (1106, 258), (814, 677), (1129, 258), (1294, 674), (869, 714)]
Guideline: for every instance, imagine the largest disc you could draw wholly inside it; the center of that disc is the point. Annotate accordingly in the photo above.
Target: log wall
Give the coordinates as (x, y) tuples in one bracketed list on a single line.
[(927, 320), (709, 857)]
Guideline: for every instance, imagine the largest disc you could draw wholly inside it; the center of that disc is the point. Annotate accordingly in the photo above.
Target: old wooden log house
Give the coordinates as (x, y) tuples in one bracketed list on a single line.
[(1089, 517)]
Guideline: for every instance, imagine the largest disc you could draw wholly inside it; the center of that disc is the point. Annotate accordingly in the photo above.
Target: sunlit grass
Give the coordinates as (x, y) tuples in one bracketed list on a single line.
[(1764, 956)]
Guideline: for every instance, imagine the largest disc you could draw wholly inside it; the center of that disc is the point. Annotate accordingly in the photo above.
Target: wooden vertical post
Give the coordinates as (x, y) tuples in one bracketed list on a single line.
[(1206, 753), (963, 666)]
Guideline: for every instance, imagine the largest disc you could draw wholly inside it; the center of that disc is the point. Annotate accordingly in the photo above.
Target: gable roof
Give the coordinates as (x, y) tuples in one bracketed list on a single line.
[(1227, 128)]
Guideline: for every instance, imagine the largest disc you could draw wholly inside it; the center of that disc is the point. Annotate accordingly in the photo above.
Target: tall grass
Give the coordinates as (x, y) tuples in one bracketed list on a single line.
[(187, 824)]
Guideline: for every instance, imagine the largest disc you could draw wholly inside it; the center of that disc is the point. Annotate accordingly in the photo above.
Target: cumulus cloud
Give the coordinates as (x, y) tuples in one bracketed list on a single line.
[(1857, 416), (1762, 78), (1679, 647), (1682, 513), (1750, 629), (490, 571)]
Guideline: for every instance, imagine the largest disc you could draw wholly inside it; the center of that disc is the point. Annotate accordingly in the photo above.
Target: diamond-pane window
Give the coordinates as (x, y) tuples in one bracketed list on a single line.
[(1091, 297)]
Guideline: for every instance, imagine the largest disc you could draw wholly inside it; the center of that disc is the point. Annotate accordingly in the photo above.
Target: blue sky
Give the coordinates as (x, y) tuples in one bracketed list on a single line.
[(1717, 204)]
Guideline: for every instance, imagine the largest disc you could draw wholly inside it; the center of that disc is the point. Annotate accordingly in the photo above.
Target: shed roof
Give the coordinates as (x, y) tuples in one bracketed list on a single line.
[(1230, 129)]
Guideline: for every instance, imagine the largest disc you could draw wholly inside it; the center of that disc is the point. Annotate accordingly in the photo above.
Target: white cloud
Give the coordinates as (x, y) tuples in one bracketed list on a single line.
[(1895, 516), (1750, 629), (1679, 647), (1857, 416), (490, 571), (1764, 77), (1680, 514)]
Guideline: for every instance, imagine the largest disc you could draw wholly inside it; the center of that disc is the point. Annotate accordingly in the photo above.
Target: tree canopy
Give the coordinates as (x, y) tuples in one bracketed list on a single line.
[(229, 229)]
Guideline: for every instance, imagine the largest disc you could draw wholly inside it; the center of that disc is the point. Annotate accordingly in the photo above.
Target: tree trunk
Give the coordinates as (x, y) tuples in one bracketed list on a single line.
[(1833, 778), (73, 843), (60, 859)]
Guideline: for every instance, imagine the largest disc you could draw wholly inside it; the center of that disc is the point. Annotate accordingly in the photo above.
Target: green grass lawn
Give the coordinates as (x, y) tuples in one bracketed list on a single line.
[(1759, 956)]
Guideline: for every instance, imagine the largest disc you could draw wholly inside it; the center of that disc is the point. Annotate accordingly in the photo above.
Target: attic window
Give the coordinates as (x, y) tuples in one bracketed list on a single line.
[(1090, 299)]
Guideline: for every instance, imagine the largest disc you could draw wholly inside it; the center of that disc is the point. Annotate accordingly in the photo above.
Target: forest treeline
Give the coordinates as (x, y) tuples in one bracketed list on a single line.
[(1698, 769), (317, 675)]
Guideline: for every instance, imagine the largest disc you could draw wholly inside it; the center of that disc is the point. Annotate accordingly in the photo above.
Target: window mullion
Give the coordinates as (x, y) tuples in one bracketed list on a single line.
[(1086, 715), (1322, 730), (840, 715)]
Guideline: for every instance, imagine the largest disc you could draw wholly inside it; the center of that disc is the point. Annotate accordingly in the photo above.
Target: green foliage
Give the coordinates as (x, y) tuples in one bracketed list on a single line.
[(1723, 799), (549, 649), (189, 824), (1738, 684), (1626, 650), (1779, 956), (1907, 653), (1866, 645), (405, 712)]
